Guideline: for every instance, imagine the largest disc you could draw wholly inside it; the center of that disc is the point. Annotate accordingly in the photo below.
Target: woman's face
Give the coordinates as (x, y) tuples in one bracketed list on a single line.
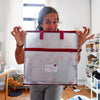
[(50, 22)]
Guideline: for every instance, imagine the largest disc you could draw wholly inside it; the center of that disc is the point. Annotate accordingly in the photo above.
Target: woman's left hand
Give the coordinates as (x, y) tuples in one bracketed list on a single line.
[(83, 36)]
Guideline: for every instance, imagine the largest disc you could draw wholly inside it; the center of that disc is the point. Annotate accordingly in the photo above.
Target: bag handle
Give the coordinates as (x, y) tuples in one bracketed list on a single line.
[(41, 35), (61, 35)]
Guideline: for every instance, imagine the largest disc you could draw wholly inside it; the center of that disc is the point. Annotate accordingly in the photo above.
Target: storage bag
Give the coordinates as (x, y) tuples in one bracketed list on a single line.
[(50, 58)]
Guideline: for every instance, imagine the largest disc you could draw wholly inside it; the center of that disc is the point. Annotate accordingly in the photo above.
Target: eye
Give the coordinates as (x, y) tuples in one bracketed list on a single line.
[(47, 22), (55, 22)]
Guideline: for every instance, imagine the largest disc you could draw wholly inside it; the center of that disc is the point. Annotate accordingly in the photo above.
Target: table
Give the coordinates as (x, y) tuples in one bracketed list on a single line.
[(5, 73)]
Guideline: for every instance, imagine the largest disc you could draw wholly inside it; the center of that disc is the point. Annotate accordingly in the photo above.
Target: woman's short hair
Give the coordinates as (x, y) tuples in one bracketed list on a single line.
[(46, 10)]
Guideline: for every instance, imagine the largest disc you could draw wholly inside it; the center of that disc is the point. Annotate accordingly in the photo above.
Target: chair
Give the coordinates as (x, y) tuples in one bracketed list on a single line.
[(15, 83)]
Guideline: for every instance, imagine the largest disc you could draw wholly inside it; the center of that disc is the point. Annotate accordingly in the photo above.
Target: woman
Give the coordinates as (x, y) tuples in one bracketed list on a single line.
[(48, 21)]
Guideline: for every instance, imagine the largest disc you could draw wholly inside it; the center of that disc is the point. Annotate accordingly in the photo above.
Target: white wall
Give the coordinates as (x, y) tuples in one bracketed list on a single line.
[(73, 15), (10, 16), (95, 16), (3, 25), (3, 14)]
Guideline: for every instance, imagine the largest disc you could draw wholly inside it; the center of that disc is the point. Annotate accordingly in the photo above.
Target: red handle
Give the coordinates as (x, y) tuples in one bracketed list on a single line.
[(61, 35), (41, 35)]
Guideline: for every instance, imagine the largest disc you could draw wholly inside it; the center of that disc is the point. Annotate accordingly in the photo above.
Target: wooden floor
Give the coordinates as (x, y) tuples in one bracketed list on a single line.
[(67, 93)]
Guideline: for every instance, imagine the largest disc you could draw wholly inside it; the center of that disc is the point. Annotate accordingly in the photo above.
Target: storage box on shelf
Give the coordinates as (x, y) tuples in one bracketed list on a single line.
[(93, 65)]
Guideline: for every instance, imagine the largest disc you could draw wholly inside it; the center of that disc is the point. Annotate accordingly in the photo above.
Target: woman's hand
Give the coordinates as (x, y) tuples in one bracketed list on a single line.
[(18, 35), (83, 37)]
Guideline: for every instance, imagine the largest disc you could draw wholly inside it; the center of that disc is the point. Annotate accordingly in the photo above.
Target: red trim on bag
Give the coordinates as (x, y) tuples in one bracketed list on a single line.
[(61, 35), (41, 34), (31, 31), (51, 50), (50, 84)]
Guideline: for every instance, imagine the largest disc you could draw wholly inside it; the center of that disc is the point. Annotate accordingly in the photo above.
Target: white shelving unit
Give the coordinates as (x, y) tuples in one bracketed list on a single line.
[(93, 64), (95, 87)]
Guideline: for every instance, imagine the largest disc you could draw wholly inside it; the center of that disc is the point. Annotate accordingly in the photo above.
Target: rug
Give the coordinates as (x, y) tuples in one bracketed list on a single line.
[(14, 93)]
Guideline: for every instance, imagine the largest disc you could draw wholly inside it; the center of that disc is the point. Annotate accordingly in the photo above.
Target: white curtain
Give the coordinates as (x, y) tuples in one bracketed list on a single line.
[(14, 18)]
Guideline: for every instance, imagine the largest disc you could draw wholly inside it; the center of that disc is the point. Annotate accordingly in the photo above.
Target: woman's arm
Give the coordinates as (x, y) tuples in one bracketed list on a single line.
[(19, 54), (18, 34), (82, 38)]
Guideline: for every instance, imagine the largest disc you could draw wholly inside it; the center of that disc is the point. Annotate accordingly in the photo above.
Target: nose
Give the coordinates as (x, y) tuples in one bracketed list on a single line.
[(52, 27)]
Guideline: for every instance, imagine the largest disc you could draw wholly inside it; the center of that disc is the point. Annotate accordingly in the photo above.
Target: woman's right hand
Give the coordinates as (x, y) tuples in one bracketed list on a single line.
[(18, 34)]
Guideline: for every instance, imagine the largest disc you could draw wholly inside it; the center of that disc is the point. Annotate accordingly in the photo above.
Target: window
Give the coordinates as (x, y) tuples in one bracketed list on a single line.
[(31, 9)]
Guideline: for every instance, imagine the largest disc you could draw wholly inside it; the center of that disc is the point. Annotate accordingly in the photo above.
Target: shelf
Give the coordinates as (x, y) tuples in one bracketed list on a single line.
[(92, 52), (95, 90), (93, 64), (94, 99), (94, 87)]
